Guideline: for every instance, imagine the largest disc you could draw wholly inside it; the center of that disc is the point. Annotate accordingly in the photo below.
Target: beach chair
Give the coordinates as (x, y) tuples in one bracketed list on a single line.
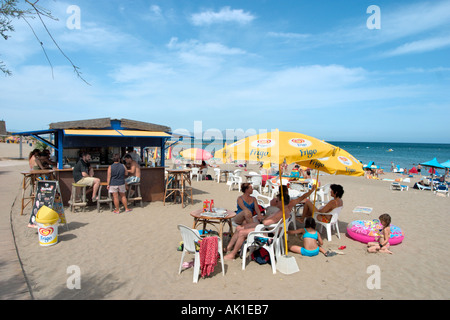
[(191, 237), (272, 188), (263, 201), (234, 180), (441, 188), (194, 172), (202, 174), (324, 193), (256, 181), (422, 187), (271, 243), (398, 186), (333, 223), (291, 219), (217, 174)]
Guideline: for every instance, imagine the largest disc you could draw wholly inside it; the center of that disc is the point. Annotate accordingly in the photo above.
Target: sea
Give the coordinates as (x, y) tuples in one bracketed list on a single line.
[(383, 154)]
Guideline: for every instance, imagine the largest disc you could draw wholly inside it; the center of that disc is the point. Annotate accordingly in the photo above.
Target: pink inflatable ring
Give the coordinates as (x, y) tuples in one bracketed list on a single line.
[(369, 230)]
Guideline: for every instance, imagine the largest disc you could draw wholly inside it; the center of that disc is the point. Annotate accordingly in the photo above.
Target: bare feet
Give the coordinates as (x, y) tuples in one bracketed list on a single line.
[(229, 256)]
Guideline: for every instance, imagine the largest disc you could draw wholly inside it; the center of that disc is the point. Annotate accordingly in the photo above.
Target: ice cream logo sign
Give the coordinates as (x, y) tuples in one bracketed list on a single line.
[(261, 144), (46, 232), (345, 161), (303, 144), (300, 143)]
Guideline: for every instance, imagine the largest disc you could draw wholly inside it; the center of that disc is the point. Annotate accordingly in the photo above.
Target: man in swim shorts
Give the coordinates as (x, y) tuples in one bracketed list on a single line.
[(133, 170), (83, 174)]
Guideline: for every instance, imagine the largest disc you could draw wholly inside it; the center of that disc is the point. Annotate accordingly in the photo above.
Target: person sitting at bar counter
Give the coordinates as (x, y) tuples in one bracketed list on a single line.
[(133, 169), (46, 160), (34, 160), (83, 174), (133, 154)]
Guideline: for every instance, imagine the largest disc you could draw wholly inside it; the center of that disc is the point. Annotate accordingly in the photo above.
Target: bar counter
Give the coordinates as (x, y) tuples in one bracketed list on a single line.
[(152, 182)]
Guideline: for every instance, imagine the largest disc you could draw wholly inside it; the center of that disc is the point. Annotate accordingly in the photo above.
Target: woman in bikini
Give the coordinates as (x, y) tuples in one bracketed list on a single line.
[(336, 192), (246, 205)]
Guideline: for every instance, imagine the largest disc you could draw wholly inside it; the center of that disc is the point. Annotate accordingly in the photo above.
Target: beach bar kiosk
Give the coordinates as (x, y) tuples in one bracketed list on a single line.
[(102, 138)]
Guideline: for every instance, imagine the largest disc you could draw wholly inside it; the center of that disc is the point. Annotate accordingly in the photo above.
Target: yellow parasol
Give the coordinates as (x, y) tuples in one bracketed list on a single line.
[(277, 147), (342, 163)]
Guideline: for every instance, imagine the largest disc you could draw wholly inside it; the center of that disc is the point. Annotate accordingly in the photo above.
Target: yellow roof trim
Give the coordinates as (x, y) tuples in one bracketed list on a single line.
[(138, 133), (116, 133), (86, 132)]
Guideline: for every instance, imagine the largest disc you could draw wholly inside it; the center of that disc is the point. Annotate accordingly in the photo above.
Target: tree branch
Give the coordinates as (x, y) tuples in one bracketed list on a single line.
[(48, 14)]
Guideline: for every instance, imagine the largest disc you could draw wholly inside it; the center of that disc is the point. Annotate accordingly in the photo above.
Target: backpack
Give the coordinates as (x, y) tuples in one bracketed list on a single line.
[(261, 256)]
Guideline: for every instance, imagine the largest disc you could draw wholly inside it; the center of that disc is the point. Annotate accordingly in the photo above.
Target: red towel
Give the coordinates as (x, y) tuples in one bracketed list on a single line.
[(208, 255)]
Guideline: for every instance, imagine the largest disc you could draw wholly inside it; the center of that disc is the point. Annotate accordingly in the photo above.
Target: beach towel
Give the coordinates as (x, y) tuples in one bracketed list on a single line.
[(208, 255)]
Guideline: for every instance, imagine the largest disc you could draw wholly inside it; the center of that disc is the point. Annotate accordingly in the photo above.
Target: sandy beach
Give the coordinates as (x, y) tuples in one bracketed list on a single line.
[(134, 255)]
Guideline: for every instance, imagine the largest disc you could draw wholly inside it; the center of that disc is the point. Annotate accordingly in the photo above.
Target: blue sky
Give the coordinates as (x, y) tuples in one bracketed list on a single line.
[(313, 67)]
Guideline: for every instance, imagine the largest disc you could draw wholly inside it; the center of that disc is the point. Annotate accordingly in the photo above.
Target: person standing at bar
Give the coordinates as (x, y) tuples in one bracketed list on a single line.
[(83, 174), (116, 183)]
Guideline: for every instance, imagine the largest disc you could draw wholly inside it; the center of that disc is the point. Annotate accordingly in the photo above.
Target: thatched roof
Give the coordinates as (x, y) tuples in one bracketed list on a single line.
[(104, 123)]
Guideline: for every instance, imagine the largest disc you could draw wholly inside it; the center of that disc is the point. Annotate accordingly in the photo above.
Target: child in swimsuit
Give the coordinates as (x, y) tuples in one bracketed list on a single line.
[(312, 241), (383, 242)]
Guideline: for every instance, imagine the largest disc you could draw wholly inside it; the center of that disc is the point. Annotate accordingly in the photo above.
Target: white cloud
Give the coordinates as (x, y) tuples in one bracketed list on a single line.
[(156, 10), (288, 35), (415, 19), (94, 37), (224, 15), (142, 71), (420, 46), (399, 23), (209, 48)]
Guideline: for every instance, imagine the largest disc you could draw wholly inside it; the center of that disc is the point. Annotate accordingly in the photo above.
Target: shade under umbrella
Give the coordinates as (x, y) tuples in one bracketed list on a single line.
[(433, 164), (278, 147)]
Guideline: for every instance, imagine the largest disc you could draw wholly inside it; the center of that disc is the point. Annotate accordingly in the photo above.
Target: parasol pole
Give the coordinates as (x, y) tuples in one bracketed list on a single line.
[(282, 202), (315, 193), (285, 264)]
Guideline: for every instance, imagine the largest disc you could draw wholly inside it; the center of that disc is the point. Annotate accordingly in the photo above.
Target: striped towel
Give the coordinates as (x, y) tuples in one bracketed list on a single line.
[(208, 255)]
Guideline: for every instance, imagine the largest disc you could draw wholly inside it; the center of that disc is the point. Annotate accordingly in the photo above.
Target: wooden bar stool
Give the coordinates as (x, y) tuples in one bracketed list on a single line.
[(73, 202), (106, 199), (28, 185), (136, 195)]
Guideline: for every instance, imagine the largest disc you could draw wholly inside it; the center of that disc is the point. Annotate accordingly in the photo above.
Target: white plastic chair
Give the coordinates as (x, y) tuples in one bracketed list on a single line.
[(190, 237), (234, 180), (272, 188), (217, 174), (256, 182), (202, 174), (333, 222), (263, 200), (194, 172), (324, 193), (271, 248)]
